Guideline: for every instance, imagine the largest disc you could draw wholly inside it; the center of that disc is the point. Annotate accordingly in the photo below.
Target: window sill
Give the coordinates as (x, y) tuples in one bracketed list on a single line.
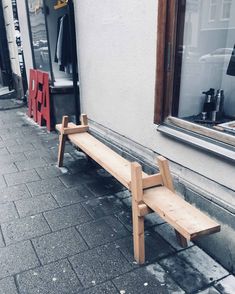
[(193, 135)]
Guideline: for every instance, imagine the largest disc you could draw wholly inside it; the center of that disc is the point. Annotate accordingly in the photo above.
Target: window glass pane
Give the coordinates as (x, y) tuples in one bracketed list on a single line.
[(208, 62), (39, 36)]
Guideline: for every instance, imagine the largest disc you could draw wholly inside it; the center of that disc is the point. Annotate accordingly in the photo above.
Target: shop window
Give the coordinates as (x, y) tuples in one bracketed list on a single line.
[(38, 35), (53, 41), (195, 79)]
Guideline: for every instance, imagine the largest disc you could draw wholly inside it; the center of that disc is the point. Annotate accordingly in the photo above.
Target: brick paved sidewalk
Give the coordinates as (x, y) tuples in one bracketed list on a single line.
[(68, 230)]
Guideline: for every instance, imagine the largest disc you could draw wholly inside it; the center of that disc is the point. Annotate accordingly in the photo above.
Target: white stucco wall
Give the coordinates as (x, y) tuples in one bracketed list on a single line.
[(116, 43), (117, 61)]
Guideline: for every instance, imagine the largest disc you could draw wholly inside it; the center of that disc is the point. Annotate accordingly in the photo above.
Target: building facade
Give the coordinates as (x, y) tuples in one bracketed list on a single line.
[(11, 54), (143, 66)]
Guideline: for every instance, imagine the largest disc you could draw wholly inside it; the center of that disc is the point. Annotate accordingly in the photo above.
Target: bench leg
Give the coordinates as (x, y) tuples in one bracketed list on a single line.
[(138, 222), (62, 141), (167, 181), (181, 240)]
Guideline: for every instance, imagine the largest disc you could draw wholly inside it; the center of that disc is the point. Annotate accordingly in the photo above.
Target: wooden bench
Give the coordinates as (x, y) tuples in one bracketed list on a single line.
[(150, 193)]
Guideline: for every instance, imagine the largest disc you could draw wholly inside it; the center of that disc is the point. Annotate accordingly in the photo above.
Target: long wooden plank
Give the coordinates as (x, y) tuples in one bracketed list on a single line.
[(115, 164), (186, 219)]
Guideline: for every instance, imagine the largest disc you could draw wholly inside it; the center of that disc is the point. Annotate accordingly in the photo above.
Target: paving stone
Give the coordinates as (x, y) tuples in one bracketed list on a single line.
[(77, 166), (35, 205), (125, 218), (13, 193), (123, 194), (75, 179), (227, 285), (28, 139), (201, 261), (40, 154), (21, 148), (45, 186), (71, 196), (7, 286), (47, 172), (30, 164), (3, 151), (2, 244), (150, 280), (9, 158), (58, 245), (189, 278), (55, 278), (24, 228), (8, 212), (67, 216), (99, 265), (21, 177), (17, 258), (210, 290), (7, 168), (2, 182), (155, 248), (102, 231), (7, 143), (153, 219), (105, 186), (168, 233), (127, 203), (102, 206), (106, 288)]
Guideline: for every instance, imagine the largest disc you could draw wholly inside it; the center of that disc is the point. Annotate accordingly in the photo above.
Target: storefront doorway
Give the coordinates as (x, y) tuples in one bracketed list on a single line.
[(53, 44)]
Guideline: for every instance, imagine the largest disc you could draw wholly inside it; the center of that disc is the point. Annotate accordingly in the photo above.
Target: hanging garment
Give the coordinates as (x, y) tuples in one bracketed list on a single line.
[(63, 45), (231, 65)]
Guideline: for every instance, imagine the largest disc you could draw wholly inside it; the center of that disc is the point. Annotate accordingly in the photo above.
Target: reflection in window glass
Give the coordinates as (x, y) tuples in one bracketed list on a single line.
[(208, 63), (226, 9), (213, 6), (39, 35)]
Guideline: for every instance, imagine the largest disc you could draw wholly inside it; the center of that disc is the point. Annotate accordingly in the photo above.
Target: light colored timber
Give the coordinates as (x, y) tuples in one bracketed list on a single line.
[(150, 193), (84, 119), (186, 219), (143, 209), (70, 125), (168, 182), (137, 221), (75, 130), (152, 180), (165, 172), (115, 164)]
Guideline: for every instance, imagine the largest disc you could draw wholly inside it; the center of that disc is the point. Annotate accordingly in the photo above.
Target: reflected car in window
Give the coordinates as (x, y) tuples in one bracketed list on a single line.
[(220, 55)]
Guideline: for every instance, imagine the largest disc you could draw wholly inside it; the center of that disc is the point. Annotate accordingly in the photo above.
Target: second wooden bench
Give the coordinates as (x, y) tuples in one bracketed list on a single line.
[(150, 193)]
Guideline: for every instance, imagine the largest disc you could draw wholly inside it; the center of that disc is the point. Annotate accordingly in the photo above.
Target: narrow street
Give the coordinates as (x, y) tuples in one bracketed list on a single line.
[(68, 230)]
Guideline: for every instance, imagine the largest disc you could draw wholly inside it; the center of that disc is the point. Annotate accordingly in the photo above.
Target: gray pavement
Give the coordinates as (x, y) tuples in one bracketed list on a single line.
[(69, 230)]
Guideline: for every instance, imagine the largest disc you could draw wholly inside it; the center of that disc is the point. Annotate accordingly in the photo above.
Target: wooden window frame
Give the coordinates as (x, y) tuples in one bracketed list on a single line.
[(170, 28), (170, 23)]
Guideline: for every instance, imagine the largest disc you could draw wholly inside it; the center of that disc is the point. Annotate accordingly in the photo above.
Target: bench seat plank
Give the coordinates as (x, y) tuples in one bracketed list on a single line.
[(185, 218), (115, 164)]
